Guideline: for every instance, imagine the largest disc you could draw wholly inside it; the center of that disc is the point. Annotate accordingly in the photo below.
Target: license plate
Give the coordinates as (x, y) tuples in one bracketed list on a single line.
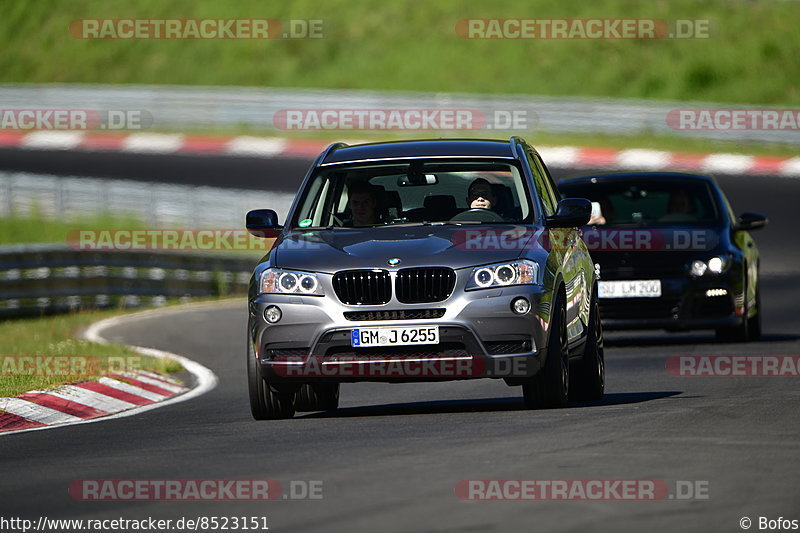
[(648, 288), (391, 336)]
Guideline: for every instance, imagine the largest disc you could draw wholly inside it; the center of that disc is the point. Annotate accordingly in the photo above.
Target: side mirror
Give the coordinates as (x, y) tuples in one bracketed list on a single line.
[(263, 223), (571, 213), (751, 221)]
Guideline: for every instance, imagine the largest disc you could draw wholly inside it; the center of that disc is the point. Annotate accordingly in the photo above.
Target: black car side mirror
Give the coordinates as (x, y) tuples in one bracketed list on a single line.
[(263, 223), (751, 221), (571, 213)]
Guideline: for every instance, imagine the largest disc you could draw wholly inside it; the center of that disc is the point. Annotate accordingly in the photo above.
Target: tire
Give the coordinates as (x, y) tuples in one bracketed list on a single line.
[(549, 388), (265, 403), (754, 326), (749, 329), (588, 376), (317, 397)]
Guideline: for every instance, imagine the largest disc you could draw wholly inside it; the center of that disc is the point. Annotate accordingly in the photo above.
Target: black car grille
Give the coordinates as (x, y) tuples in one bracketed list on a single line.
[(371, 287), (635, 308), (421, 285), (398, 314)]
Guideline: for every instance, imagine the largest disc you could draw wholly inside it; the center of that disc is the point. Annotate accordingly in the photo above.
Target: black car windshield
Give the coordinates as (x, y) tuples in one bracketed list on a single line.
[(414, 192), (647, 201)]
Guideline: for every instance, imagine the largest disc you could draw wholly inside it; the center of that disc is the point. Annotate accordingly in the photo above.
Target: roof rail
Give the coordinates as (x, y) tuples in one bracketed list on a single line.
[(330, 149), (516, 141)]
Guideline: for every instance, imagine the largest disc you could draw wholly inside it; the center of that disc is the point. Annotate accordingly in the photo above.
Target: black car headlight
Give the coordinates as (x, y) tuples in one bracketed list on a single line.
[(279, 281), (522, 272)]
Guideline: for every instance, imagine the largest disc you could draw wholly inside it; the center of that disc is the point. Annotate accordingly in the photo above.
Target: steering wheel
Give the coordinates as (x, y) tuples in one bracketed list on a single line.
[(481, 215)]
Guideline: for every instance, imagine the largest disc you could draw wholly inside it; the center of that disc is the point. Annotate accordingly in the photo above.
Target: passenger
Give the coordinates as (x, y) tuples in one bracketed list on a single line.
[(602, 212), (680, 207)]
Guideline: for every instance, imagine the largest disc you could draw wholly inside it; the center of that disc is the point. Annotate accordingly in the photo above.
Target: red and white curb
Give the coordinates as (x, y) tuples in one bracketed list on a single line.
[(555, 156), (112, 396), (84, 400)]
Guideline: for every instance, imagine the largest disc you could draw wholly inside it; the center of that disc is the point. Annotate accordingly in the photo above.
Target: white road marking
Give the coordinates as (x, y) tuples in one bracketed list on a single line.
[(88, 398), (150, 381), (130, 389), (152, 143), (58, 140), (35, 412)]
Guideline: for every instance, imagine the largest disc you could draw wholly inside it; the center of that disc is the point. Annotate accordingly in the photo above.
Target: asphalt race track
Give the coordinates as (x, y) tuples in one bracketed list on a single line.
[(390, 458)]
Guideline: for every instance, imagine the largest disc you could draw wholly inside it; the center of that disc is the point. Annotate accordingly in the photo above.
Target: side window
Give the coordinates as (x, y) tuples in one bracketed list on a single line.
[(542, 187), (548, 181)]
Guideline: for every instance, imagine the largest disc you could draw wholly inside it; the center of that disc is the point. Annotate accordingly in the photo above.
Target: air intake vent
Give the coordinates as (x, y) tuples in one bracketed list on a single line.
[(400, 314)]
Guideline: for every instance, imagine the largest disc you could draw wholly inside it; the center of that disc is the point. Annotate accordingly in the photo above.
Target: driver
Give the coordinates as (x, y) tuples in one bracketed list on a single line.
[(480, 195), (363, 204)]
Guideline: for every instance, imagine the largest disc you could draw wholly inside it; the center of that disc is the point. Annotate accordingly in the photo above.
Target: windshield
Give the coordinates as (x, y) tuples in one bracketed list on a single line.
[(647, 201), (413, 192)]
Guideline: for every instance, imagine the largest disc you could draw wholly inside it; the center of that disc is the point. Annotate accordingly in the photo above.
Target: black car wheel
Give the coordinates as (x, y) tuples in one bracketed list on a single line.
[(317, 397), (588, 376), (266, 403), (754, 331), (550, 387), (750, 327)]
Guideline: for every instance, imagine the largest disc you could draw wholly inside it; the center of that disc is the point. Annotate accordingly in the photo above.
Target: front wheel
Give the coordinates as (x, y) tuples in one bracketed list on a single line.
[(549, 388), (589, 376), (265, 403), (755, 322), (749, 329), (317, 397)]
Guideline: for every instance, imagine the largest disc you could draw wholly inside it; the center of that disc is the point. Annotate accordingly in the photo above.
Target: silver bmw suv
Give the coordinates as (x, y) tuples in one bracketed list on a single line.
[(424, 261)]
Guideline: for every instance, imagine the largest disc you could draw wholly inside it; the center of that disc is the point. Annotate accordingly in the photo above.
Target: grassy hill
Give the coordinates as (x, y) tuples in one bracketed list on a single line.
[(751, 56)]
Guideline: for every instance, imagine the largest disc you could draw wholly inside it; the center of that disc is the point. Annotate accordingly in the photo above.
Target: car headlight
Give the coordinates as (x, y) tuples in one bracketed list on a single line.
[(714, 266), (523, 272), (279, 281)]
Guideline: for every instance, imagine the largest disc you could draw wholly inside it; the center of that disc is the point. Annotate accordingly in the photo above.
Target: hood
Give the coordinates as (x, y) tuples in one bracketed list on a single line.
[(346, 248)]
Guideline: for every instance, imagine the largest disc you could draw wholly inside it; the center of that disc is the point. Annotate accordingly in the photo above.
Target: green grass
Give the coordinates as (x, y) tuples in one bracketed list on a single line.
[(751, 56), (54, 337), (34, 227)]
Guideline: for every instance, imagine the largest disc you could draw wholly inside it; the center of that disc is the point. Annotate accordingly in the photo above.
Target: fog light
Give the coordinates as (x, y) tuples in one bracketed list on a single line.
[(272, 314), (712, 293), (520, 306)]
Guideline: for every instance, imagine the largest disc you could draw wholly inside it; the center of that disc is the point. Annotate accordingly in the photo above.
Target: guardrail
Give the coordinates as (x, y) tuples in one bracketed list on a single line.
[(160, 205), (198, 107), (47, 279)]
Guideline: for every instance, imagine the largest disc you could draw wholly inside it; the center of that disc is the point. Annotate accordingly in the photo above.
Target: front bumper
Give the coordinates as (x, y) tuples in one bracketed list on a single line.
[(479, 336), (685, 304)]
